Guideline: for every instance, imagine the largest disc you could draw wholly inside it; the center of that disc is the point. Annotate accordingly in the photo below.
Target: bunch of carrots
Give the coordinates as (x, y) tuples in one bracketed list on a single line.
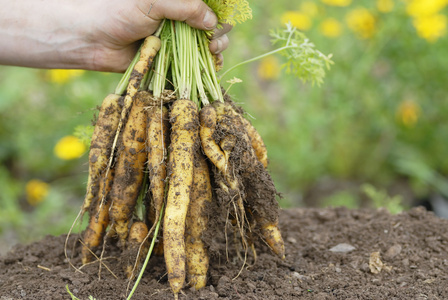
[(170, 139)]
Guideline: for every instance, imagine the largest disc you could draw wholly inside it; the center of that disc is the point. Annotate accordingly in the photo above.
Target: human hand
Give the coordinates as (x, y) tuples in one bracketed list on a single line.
[(124, 23), (101, 35)]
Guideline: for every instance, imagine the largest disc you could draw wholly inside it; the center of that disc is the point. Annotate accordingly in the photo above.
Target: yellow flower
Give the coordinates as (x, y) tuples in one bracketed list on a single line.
[(431, 28), (36, 191), (297, 19), (408, 113), (385, 6), (69, 147), (331, 27), (419, 8), (309, 8), (362, 22), (60, 76), (337, 2), (269, 68)]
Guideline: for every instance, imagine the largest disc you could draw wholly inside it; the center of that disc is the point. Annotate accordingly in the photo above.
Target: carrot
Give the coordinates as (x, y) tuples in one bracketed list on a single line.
[(148, 51), (208, 119), (219, 155), (157, 139), (100, 145), (129, 168), (219, 158), (184, 141), (136, 247), (262, 205), (196, 223), (273, 237), (98, 222), (256, 140)]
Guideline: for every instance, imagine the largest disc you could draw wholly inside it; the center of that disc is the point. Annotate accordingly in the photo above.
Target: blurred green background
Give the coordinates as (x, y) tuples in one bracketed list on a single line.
[(374, 134)]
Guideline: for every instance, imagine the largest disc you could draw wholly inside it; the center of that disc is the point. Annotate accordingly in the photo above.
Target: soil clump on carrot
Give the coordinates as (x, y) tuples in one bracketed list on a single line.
[(413, 248)]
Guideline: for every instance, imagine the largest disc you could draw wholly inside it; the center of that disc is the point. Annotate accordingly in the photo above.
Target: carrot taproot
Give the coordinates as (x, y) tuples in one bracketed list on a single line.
[(136, 247), (219, 155), (256, 140), (148, 51), (184, 142), (196, 224), (129, 168), (262, 205), (100, 145), (157, 141), (98, 222), (208, 119)]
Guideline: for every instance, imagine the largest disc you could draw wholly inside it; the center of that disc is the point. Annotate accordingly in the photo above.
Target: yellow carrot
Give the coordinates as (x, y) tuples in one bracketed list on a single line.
[(98, 222), (101, 145), (196, 224), (184, 142), (157, 140), (136, 249), (129, 168)]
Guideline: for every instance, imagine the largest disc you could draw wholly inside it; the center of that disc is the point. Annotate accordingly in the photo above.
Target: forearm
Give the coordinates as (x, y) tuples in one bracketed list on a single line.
[(44, 34), (100, 35)]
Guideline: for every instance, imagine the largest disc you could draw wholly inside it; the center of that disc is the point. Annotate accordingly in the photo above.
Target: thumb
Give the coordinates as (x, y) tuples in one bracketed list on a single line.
[(194, 12)]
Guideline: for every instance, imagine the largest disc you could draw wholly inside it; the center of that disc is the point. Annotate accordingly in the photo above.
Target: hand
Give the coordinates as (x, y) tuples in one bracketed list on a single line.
[(101, 35), (132, 21)]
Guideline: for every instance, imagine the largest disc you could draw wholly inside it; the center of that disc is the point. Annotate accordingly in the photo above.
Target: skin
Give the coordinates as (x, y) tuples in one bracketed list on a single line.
[(101, 35)]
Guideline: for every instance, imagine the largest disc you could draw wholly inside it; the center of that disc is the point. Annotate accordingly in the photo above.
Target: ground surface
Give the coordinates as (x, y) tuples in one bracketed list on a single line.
[(412, 263)]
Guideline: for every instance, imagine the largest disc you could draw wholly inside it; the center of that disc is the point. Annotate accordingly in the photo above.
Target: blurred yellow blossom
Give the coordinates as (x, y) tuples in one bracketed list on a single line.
[(61, 76), (36, 191), (408, 112), (309, 8), (420, 8), (69, 147), (337, 2), (431, 27), (331, 27), (385, 6), (297, 19), (362, 22), (269, 68)]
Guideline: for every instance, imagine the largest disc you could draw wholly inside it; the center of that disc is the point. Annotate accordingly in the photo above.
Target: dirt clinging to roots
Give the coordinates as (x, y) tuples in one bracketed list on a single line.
[(328, 256)]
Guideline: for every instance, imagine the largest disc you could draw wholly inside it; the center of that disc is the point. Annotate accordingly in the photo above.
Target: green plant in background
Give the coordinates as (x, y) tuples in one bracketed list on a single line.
[(385, 90), (380, 198), (43, 167)]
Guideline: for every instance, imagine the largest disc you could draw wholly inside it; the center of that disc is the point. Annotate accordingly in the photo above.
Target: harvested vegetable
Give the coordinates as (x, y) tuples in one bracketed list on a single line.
[(172, 163), (137, 248), (98, 222), (100, 146), (157, 140), (196, 224), (184, 144), (129, 168)]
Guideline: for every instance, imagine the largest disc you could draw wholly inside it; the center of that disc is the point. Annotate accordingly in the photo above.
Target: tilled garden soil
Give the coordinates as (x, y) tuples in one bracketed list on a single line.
[(330, 254)]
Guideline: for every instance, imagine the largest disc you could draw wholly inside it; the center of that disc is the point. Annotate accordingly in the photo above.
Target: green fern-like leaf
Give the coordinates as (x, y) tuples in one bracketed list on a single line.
[(303, 60), (231, 11)]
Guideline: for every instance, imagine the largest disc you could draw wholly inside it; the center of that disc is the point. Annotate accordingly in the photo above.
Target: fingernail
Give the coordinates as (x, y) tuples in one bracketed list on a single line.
[(210, 20), (218, 46)]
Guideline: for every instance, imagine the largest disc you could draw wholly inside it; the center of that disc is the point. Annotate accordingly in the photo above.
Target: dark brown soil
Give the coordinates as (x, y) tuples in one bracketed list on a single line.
[(412, 246)]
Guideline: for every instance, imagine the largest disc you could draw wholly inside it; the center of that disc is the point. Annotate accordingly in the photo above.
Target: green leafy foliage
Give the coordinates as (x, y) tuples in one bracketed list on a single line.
[(231, 11), (380, 198), (303, 60), (84, 133)]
